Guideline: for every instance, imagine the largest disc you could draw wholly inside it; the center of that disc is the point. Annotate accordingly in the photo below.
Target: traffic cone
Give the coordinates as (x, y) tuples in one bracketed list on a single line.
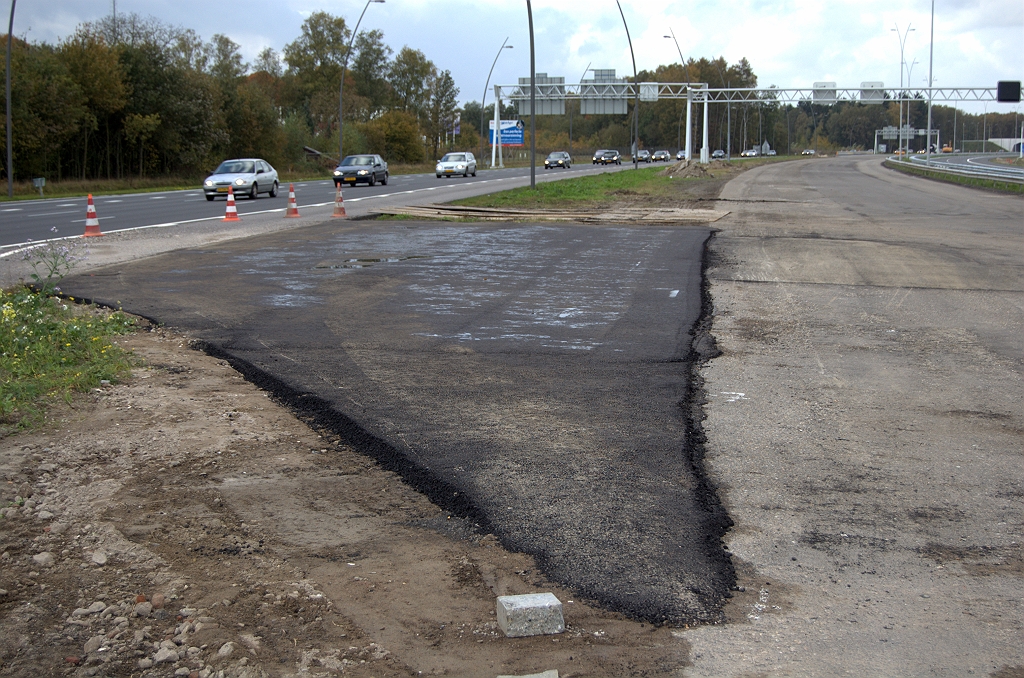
[(293, 209), (231, 214), (92, 223), (339, 205)]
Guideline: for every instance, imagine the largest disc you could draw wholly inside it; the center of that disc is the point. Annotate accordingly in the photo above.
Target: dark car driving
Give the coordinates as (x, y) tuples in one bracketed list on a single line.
[(609, 158), (356, 168), (558, 159)]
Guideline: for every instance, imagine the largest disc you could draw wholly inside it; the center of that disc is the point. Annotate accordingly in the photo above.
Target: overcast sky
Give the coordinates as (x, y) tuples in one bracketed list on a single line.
[(790, 43)]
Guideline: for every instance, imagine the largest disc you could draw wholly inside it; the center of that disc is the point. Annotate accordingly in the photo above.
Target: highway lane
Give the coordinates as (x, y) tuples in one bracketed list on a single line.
[(33, 220)]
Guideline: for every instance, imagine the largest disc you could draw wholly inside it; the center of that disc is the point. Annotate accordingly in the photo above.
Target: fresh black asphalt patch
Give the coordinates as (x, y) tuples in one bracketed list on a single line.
[(537, 381)]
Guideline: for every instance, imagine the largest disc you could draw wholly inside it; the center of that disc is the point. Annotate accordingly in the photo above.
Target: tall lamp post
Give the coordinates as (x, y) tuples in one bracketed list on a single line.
[(570, 109), (483, 99), (10, 162), (931, 59), (533, 102), (903, 43), (636, 92), (689, 123), (341, 87)]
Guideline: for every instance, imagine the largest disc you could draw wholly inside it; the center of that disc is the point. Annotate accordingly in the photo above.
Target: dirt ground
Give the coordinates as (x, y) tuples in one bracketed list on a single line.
[(184, 524)]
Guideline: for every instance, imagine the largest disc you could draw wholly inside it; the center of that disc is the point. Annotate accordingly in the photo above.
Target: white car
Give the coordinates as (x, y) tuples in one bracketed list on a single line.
[(456, 163), (246, 176)]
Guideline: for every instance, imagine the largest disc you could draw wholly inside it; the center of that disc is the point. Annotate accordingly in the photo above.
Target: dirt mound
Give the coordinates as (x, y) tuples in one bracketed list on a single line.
[(692, 169)]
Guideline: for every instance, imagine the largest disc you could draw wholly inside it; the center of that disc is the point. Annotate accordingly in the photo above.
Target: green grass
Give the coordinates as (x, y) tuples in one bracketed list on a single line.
[(596, 189), (950, 178), (50, 349)]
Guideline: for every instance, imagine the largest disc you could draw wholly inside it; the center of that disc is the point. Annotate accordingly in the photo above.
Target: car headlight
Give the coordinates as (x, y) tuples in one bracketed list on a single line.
[(362, 172), (337, 173), (460, 167), (208, 182), (439, 168), (239, 182)]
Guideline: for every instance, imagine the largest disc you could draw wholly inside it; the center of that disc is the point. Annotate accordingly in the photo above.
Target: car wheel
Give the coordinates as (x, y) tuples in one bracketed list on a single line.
[(273, 190), (210, 198), (373, 179), (474, 171), (438, 176), (465, 175), (384, 181), (254, 191)]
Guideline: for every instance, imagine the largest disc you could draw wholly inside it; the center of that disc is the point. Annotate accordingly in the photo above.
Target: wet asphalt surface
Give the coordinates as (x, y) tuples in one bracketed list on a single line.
[(534, 380)]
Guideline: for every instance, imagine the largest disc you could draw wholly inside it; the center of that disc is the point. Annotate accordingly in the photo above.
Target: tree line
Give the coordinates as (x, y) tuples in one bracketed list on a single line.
[(132, 96)]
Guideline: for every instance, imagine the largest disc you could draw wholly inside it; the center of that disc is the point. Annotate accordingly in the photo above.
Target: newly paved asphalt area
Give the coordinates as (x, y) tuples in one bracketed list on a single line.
[(534, 379)]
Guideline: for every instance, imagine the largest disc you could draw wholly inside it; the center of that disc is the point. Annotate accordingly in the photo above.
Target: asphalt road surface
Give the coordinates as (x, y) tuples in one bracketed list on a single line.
[(534, 380), (26, 220), (866, 424)]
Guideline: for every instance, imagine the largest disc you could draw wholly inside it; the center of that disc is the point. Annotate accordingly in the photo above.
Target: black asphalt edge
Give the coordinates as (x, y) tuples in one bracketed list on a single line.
[(704, 349), (320, 415)]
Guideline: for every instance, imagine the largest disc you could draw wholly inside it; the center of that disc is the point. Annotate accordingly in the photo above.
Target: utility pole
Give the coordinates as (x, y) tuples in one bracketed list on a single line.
[(636, 93), (533, 103), (10, 162), (931, 55)]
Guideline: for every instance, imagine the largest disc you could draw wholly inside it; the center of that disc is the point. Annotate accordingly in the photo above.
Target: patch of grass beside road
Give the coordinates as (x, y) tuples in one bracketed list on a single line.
[(599, 189), (51, 349)]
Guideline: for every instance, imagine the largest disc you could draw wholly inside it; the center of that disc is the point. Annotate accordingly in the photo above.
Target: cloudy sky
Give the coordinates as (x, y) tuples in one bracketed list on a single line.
[(790, 43)]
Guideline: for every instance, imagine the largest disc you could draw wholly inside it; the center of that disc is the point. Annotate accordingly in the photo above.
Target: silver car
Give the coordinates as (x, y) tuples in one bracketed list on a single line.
[(456, 163), (246, 176)]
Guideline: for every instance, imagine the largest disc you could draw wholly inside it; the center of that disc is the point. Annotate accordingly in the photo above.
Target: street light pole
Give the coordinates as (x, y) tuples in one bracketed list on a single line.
[(10, 162), (484, 98), (931, 59), (636, 93), (570, 110), (903, 42), (689, 123), (341, 87), (533, 102)]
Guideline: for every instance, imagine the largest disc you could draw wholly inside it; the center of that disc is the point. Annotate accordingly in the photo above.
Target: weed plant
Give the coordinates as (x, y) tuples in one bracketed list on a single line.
[(51, 348)]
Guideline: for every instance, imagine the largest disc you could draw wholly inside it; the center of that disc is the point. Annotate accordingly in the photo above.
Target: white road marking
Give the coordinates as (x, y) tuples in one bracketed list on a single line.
[(11, 209), (673, 294), (113, 201)]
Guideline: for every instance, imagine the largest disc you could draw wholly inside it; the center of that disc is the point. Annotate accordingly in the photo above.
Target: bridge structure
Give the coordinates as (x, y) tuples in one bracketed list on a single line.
[(613, 97)]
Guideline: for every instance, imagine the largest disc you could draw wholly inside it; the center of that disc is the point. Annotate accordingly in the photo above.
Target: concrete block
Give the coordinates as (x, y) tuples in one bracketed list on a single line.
[(531, 614)]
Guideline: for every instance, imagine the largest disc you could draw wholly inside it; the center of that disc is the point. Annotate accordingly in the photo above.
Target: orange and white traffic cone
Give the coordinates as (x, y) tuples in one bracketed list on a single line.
[(339, 205), (293, 209), (232, 213), (92, 222)]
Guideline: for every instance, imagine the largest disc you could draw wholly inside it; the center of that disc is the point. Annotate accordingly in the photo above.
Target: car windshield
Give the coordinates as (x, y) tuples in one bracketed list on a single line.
[(357, 160), (454, 157), (554, 156), (236, 167), (610, 154)]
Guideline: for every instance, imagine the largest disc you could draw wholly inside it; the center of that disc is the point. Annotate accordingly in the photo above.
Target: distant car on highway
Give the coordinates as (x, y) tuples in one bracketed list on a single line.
[(598, 154), (749, 153), (558, 159), (365, 167), (245, 176), (717, 154), (643, 156), (771, 151), (681, 155), (807, 151), (610, 158), (661, 156), (456, 163)]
